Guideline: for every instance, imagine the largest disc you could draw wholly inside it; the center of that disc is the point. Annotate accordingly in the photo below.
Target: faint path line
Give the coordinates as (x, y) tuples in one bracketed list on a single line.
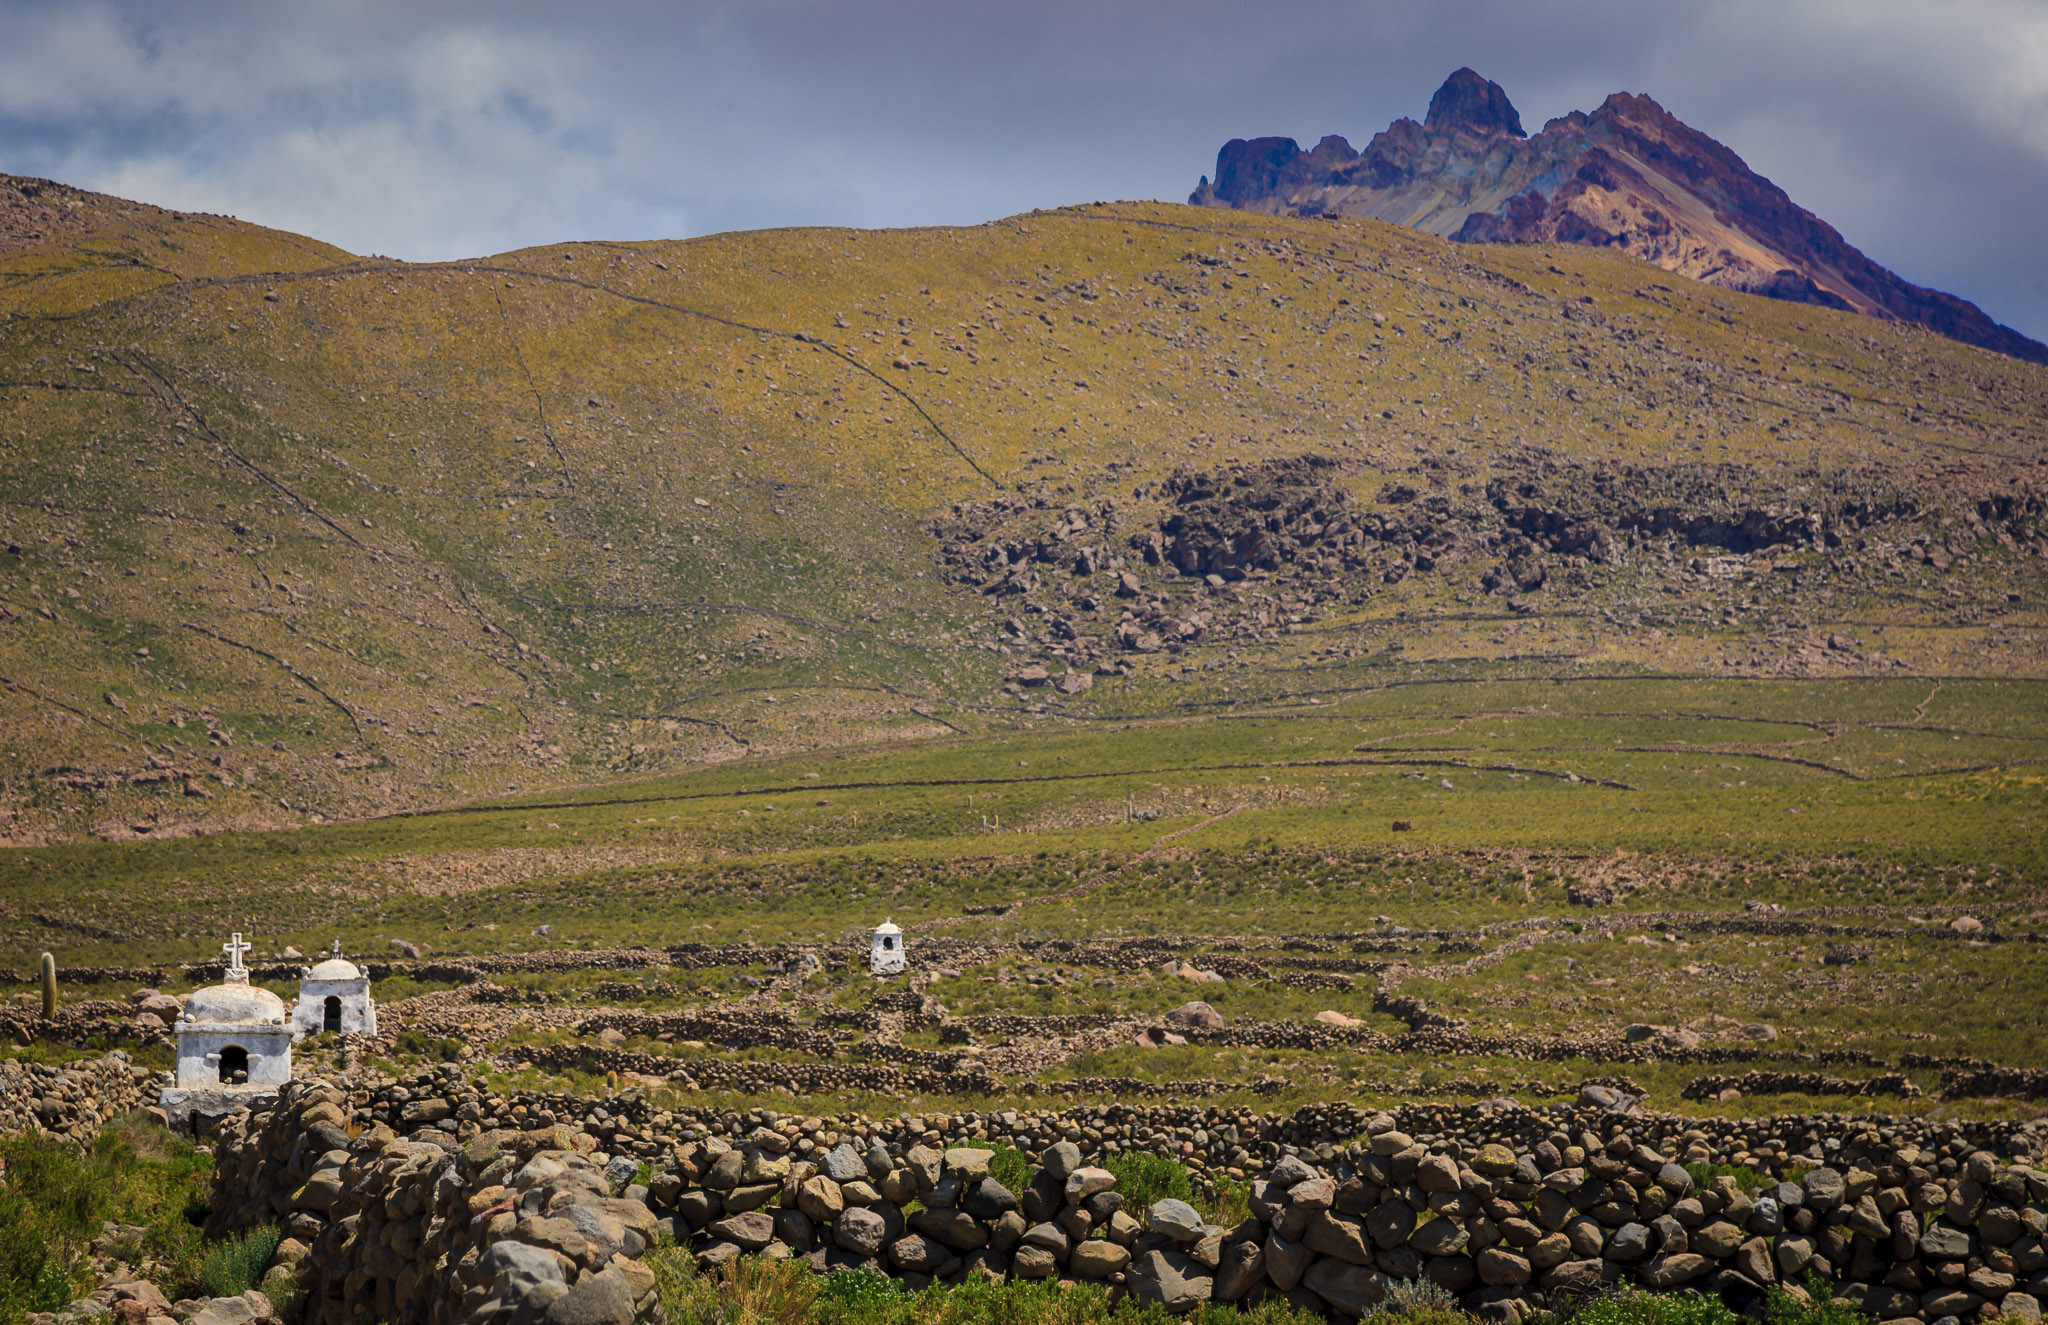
[(539, 405)]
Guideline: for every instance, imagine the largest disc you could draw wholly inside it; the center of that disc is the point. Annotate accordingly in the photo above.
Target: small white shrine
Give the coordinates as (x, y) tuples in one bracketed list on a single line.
[(234, 1049), (334, 996), (885, 957)]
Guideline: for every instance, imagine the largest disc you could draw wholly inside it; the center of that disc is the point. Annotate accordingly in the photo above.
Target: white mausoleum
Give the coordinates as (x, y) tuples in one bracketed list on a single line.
[(885, 957), (234, 1049), (334, 996)]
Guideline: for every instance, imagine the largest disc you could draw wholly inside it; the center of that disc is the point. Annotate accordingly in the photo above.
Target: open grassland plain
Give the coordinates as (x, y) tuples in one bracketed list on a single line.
[(1676, 888), (1462, 670)]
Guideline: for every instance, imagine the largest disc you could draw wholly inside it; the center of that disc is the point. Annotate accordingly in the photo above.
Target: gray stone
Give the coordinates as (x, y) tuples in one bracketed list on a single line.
[(1285, 1261), (724, 1173), (1438, 1237), (860, 1231), (597, 1299), (1453, 1274), (514, 1269), (1580, 1276), (1084, 1183), (1313, 1194), (1060, 1160), (843, 1163), (1390, 1224), (1097, 1259), (1336, 1235), (956, 1228), (1049, 1236), (1718, 1239), (968, 1163), (1497, 1267), (1352, 1289), (1674, 1268), (1289, 1171), (1437, 1173), (1176, 1219), (1631, 1243), (1170, 1279), (232, 1311), (988, 1199), (924, 1163), (753, 1230), (1945, 1242), (1034, 1263), (1238, 1267), (918, 1254), (1948, 1302), (1824, 1188), (1753, 1261)]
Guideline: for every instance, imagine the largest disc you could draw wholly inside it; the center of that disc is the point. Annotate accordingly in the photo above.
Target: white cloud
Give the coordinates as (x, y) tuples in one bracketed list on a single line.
[(449, 129)]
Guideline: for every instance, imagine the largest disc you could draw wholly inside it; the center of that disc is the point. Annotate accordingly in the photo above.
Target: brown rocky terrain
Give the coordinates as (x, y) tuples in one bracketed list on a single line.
[(1629, 176)]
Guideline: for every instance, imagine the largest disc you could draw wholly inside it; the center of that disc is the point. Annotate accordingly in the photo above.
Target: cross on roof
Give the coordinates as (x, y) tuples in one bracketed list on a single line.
[(234, 948), (335, 951)]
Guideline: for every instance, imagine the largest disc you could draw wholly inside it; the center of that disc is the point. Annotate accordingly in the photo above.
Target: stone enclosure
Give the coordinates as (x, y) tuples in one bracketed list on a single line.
[(432, 1200)]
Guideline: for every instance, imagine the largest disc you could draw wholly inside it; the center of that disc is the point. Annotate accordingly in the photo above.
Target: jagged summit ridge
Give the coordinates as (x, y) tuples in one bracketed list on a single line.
[(1472, 104), (1630, 175)]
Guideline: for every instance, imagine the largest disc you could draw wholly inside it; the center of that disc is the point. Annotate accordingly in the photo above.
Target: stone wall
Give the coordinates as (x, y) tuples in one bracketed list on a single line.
[(72, 1100), (432, 1200)]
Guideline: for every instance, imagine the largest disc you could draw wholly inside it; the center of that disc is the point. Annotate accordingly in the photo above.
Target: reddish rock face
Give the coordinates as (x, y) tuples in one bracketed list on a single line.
[(1629, 176)]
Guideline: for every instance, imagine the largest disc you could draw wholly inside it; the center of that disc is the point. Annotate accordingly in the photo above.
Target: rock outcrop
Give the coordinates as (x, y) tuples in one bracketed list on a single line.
[(1629, 176)]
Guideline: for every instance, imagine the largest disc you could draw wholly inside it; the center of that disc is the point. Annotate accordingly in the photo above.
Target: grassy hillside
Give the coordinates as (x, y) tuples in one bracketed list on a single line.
[(292, 535)]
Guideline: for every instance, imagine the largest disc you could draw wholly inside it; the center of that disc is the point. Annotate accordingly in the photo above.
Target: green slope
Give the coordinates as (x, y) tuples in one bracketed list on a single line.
[(296, 535)]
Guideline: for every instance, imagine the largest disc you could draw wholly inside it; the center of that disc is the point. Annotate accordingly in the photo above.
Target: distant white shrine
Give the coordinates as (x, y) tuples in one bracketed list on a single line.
[(234, 1049), (885, 956), (334, 996)]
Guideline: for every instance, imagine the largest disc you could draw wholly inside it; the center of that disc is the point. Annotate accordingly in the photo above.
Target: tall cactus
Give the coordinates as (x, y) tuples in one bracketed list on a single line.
[(48, 967)]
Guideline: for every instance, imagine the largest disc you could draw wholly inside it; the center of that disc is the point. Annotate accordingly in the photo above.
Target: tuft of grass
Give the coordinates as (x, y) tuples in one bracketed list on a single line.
[(1746, 1178), (1144, 1177), (1635, 1307), (235, 1266), (1011, 1167), (1231, 1204), (748, 1291)]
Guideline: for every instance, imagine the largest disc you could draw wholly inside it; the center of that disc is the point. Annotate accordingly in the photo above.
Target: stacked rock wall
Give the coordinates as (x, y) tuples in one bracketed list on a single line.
[(73, 1100), (431, 1200)]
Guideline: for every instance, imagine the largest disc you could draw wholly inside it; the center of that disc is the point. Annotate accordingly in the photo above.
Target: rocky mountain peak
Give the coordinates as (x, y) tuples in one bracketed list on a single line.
[(1630, 176), (1469, 103)]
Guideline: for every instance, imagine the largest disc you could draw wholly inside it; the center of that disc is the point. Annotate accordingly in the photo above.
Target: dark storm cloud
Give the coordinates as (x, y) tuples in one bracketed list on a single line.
[(437, 130)]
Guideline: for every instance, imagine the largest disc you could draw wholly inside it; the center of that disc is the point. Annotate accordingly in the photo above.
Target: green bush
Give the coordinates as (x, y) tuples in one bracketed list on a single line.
[(1010, 1167), (860, 1295), (1781, 1308), (1635, 1307), (235, 1266), (1231, 1203), (1746, 1178), (57, 1197), (1144, 1177)]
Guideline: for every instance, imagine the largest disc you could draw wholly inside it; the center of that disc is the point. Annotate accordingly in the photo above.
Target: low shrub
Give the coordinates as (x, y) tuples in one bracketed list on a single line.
[(1746, 1178), (1010, 1167), (235, 1266), (1144, 1177), (57, 1197)]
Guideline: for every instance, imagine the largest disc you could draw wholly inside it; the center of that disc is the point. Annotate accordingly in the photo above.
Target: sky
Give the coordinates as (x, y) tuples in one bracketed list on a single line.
[(430, 130)]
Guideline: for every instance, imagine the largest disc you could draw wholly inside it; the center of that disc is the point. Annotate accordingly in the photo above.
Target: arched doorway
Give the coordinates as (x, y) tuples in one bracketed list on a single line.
[(330, 1019), (234, 1065)]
